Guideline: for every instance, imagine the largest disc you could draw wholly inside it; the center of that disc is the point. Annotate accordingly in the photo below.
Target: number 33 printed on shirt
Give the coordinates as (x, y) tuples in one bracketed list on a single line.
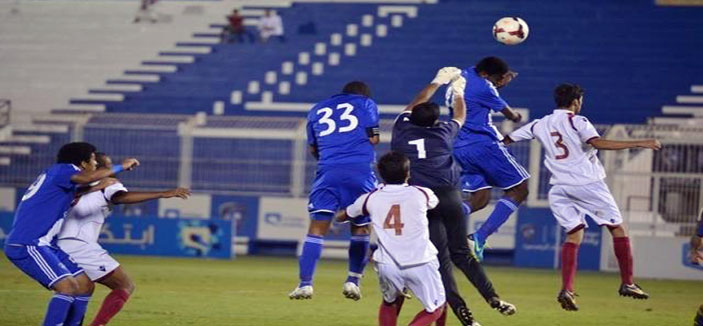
[(332, 125)]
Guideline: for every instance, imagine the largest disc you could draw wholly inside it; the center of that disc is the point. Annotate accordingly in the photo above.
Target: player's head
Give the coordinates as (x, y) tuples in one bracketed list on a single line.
[(425, 114), (394, 168), (357, 87), (104, 160), (569, 96), (496, 71), (79, 154)]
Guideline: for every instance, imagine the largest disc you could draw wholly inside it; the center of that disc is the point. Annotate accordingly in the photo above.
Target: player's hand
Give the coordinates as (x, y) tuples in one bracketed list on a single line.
[(652, 144), (695, 257), (517, 118), (446, 75), (458, 86), (181, 193), (130, 163)]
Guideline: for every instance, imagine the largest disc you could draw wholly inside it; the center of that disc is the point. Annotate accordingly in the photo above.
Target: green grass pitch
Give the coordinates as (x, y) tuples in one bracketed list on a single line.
[(253, 291)]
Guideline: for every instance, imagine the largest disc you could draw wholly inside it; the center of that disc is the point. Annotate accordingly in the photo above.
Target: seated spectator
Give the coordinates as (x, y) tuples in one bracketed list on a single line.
[(145, 12), (235, 30), (271, 25)]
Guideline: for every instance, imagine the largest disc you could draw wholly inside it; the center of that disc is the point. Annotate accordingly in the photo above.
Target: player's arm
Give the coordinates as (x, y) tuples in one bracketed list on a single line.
[(457, 87), (525, 132), (605, 144), (511, 114), (444, 76), (354, 210), (370, 122), (133, 197), (102, 184), (87, 177), (312, 140)]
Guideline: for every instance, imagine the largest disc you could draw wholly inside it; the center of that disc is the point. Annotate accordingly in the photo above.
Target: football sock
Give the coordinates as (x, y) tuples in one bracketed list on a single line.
[(442, 320), (56, 313), (388, 312), (111, 306), (624, 254), (312, 249), (424, 318), (77, 311), (358, 257), (569, 265), (501, 212)]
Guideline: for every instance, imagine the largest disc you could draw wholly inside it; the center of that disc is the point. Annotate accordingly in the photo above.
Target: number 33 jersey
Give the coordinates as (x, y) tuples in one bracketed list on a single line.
[(565, 137), (399, 219)]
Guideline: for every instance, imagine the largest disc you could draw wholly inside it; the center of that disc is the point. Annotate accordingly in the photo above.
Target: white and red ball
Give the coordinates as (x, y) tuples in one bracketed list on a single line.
[(511, 30)]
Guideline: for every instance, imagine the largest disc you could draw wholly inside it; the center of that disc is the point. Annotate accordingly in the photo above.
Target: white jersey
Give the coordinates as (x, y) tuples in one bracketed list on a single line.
[(399, 219), (565, 138), (86, 218)]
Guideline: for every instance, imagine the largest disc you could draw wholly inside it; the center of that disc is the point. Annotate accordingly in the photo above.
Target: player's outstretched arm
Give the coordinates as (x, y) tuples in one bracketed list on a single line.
[(458, 86), (104, 183), (605, 144), (133, 197), (86, 177), (444, 76), (511, 114)]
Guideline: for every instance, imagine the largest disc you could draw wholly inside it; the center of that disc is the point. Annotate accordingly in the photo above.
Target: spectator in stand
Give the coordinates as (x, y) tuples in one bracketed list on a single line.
[(145, 12), (235, 31), (271, 25)]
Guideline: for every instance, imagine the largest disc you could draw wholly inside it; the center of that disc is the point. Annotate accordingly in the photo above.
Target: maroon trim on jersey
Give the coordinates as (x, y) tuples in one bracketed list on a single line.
[(363, 208), (532, 129), (424, 193), (571, 121), (590, 139), (576, 229)]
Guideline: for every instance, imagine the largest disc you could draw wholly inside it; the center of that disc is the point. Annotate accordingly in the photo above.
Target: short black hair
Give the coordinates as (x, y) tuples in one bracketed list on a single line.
[(565, 94), (492, 66), (75, 153), (100, 158), (357, 87), (394, 167), (425, 114)]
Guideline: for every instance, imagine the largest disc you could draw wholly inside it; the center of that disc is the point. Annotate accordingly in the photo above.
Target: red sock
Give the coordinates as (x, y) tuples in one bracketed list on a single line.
[(424, 318), (111, 306), (442, 320), (569, 264), (388, 312), (624, 254)]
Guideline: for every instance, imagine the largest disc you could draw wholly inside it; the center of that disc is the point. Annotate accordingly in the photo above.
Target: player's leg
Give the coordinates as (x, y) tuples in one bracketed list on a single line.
[(310, 255), (391, 283), (425, 282), (122, 288), (85, 288), (623, 252), (358, 257)]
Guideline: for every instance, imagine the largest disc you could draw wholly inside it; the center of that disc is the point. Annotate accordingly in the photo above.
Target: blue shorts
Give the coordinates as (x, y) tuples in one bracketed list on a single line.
[(45, 264), (336, 187), (488, 164)]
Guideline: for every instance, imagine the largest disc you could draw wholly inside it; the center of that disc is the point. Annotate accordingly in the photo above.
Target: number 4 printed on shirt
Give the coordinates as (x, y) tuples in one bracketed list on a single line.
[(394, 214)]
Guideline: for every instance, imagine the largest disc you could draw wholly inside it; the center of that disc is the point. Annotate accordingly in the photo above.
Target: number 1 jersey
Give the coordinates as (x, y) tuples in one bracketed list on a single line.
[(44, 205), (340, 128)]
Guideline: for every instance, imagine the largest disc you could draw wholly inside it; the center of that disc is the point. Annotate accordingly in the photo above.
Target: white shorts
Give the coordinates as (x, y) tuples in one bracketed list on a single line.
[(94, 260), (571, 204), (423, 280)]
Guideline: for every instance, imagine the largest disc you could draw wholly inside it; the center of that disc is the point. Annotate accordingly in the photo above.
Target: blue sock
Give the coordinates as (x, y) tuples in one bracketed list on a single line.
[(78, 308), (312, 249), (56, 313), (502, 211), (358, 257)]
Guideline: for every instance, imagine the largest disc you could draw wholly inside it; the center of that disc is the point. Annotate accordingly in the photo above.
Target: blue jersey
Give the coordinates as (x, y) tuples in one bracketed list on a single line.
[(482, 99), (429, 150), (340, 128), (44, 204)]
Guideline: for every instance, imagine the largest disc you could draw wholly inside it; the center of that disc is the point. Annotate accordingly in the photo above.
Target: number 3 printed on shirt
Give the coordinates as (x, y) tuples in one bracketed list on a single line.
[(560, 144), (332, 125)]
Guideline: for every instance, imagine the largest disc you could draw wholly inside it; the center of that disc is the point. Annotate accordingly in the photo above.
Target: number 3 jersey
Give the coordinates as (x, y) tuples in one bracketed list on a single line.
[(40, 213), (340, 128), (565, 138), (399, 219)]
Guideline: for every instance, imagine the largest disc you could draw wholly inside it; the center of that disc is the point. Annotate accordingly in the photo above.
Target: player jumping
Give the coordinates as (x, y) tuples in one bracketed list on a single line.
[(405, 257), (484, 160), (342, 131), (80, 232), (578, 188), (39, 216), (427, 142)]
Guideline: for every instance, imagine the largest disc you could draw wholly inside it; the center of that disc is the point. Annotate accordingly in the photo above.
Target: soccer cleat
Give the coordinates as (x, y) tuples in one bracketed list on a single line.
[(304, 292), (567, 300), (504, 307), (698, 320), (476, 247), (465, 316), (351, 291), (633, 291)]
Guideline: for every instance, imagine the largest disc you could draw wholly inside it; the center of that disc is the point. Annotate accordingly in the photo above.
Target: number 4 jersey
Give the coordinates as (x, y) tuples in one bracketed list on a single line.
[(399, 219), (40, 213), (340, 128), (565, 138)]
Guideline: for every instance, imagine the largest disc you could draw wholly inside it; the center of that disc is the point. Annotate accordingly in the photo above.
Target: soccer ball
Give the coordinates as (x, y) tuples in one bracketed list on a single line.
[(510, 30)]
